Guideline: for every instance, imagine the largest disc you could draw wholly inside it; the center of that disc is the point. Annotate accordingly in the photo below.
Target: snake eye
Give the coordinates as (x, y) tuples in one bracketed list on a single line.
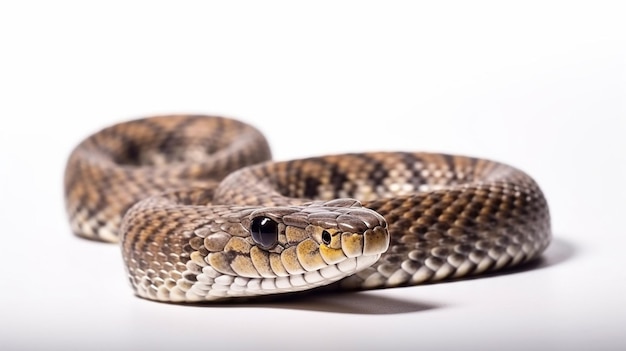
[(264, 232), (326, 237)]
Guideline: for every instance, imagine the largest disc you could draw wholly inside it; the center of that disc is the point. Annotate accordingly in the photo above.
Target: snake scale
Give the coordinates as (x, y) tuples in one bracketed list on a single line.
[(202, 214)]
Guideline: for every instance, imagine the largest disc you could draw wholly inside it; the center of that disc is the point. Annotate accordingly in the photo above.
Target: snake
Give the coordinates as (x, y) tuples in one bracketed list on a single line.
[(201, 212)]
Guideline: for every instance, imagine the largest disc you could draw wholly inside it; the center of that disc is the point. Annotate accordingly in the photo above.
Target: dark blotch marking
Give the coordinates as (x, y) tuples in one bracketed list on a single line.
[(310, 187)]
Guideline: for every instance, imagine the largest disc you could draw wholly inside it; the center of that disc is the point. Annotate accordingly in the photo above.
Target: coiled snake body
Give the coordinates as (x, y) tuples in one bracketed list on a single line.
[(202, 214)]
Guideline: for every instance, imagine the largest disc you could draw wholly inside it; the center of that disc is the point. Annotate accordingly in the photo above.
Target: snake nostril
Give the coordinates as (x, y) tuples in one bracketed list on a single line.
[(326, 237)]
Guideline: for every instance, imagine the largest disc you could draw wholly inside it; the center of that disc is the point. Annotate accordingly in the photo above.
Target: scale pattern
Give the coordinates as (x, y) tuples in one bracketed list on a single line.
[(180, 193)]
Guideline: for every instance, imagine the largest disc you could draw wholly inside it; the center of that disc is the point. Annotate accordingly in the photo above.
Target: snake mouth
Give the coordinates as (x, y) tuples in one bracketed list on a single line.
[(321, 277), (211, 285)]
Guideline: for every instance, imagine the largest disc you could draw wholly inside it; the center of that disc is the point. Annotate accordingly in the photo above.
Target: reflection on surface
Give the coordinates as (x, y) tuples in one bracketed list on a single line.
[(559, 251), (356, 303)]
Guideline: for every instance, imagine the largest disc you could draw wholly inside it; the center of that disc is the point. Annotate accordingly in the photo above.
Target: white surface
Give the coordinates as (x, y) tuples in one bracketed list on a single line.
[(541, 85)]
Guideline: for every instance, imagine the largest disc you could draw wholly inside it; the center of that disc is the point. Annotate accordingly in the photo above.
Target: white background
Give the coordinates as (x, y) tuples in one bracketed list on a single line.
[(540, 85)]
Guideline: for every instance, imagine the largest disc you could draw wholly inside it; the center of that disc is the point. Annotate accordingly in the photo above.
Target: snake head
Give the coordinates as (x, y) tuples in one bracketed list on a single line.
[(295, 248), (321, 232)]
